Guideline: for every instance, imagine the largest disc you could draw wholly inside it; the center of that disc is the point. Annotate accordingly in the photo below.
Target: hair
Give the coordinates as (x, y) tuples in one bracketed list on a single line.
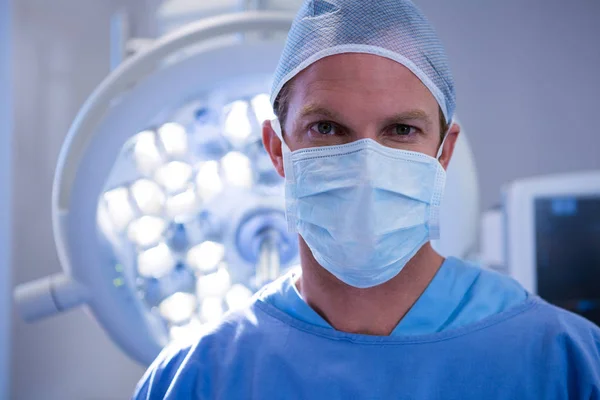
[(280, 107)]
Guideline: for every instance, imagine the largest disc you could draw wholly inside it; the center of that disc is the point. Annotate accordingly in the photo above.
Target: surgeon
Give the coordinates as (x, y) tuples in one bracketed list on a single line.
[(365, 103)]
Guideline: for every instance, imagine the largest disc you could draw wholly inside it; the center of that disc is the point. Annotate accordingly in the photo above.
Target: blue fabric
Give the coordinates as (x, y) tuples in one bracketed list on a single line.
[(530, 351), (325, 184), (459, 294)]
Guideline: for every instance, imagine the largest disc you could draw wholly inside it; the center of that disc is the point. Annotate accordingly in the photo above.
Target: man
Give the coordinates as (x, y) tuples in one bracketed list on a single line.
[(365, 100)]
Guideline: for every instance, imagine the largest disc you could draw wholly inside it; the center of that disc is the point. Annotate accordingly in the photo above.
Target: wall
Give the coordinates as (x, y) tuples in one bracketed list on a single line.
[(5, 194), (61, 54), (527, 80)]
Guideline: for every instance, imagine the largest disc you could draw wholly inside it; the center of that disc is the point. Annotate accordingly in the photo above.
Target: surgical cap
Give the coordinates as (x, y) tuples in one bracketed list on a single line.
[(395, 29)]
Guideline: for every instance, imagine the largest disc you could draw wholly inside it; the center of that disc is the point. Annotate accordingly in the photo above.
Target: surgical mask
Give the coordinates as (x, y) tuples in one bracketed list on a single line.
[(363, 209)]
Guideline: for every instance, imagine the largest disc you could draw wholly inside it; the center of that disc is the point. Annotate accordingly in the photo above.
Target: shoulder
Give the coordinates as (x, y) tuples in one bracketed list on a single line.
[(157, 380), (567, 327), (499, 293), (186, 368), (560, 341), (576, 345)]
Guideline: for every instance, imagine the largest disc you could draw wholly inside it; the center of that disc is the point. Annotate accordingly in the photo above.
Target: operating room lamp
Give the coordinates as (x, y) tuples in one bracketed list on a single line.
[(166, 210)]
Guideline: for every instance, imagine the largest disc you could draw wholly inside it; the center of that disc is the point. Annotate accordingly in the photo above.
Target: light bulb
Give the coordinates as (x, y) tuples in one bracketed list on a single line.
[(262, 108), (174, 138), (237, 125), (148, 196), (206, 256), (186, 333), (179, 307), (146, 230), (183, 204), (146, 154), (213, 285), (237, 169), (118, 207), (238, 296), (212, 309), (174, 176), (208, 181), (104, 221), (156, 262)]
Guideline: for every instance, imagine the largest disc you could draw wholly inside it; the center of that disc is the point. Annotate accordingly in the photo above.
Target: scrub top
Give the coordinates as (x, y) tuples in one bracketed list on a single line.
[(485, 342), (459, 294)]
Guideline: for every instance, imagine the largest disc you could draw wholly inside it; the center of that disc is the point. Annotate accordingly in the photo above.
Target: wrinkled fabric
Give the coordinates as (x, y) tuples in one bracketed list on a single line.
[(531, 351), (458, 295), (395, 29)]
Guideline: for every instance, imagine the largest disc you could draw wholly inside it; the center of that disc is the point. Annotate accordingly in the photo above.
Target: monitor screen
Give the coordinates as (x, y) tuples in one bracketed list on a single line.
[(567, 237)]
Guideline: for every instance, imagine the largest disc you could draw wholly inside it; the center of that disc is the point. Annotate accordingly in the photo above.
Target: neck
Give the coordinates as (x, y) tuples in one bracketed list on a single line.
[(371, 311)]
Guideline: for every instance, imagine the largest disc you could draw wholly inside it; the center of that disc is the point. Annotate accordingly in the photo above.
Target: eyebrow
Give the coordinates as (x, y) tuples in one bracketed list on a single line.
[(405, 116), (314, 109), (412, 115)]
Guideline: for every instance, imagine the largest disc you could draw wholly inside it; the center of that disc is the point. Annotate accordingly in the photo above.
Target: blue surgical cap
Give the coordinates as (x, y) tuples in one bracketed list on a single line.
[(395, 29)]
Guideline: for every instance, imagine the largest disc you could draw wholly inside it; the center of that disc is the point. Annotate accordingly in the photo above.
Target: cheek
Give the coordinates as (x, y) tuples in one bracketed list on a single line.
[(431, 144), (293, 143), (296, 139)]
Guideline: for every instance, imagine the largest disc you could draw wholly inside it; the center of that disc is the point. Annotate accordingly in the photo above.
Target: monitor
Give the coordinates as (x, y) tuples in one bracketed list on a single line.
[(552, 227)]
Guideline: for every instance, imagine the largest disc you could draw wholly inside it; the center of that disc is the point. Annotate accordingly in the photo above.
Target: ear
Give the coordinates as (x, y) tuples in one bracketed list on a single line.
[(448, 145), (272, 145)]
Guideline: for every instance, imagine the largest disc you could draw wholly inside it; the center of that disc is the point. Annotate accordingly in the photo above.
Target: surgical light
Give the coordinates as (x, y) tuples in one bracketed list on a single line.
[(237, 169), (118, 207), (157, 197), (262, 107), (148, 196), (104, 222), (186, 332), (179, 307), (212, 309), (181, 206), (146, 230), (237, 124), (174, 176), (238, 296), (174, 138), (146, 153), (208, 181), (206, 256), (214, 285), (156, 262)]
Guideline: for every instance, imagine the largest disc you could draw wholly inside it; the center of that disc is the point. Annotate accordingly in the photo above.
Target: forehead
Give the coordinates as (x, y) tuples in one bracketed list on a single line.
[(363, 83)]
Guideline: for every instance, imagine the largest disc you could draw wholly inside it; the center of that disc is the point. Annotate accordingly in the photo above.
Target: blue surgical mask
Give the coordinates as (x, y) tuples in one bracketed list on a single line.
[(363, 209)]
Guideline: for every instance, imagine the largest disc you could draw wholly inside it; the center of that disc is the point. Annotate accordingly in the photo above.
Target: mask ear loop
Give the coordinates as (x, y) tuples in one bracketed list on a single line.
[(290, 180), (438, 192), (441, 148)]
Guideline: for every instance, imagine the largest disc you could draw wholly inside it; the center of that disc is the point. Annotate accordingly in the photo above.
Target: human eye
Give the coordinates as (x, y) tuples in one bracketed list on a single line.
[(324, 128), (403, 130)]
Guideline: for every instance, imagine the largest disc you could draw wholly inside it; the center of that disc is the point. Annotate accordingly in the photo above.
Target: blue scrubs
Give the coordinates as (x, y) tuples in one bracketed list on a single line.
[(473, 334), (459, 294)]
